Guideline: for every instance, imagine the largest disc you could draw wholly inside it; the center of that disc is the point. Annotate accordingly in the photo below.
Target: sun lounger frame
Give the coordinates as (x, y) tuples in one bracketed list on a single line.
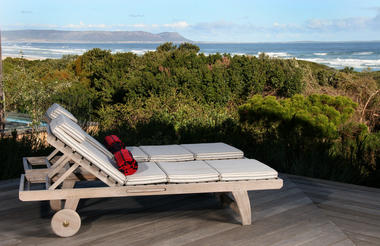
[(62, 174), (71, 196), (239, 190)]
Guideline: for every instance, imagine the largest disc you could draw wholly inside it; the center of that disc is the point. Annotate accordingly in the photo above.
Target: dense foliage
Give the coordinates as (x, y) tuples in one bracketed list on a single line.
[(312, 136), (297, 116)]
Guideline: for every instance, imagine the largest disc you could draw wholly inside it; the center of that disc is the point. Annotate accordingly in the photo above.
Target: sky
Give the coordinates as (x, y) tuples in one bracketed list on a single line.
[(203, 20)]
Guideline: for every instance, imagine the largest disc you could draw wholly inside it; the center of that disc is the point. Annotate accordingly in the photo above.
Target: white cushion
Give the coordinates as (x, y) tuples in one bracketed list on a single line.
[(55, 110), (68, 123), (242, 169), (167, 153), (69, 127), (147, 173), (188, 171), (99, 146), (138, 154), (213, 151)]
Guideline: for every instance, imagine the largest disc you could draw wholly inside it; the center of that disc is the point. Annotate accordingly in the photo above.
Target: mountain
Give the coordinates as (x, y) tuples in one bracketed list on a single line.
[(55, 36)]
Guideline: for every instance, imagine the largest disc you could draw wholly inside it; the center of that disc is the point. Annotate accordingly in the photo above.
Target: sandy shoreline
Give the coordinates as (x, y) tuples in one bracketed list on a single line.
[(25, 57)]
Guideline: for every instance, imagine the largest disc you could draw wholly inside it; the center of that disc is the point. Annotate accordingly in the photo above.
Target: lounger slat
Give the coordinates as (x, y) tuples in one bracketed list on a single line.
[(58, 166), (52, 154), (64, 176), (85, 164)]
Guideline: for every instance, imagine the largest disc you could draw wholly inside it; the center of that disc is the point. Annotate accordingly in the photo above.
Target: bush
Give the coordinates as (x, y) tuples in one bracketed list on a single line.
[(312, 136), (13, 149)]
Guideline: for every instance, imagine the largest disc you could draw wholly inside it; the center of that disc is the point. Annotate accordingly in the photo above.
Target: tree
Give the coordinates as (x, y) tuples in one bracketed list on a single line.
[(189, 47), (168, 46)]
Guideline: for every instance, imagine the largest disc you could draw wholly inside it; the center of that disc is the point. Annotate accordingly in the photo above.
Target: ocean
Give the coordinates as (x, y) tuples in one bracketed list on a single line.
[(359, 55)]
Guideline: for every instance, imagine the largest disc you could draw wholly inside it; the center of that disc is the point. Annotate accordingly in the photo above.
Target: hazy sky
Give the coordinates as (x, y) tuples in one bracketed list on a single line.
[(221, 21)]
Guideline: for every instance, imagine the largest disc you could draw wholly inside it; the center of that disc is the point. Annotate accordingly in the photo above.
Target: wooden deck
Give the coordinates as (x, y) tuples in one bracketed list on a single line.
[(354, 209), (305, 212)]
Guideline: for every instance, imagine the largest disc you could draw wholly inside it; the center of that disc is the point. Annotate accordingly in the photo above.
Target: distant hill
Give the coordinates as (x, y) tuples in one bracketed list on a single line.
[(55, 36)]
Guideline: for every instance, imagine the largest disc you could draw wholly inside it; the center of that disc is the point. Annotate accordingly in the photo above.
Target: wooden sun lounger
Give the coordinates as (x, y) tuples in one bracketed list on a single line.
[(59, 189), (66, 222), (65, 166)]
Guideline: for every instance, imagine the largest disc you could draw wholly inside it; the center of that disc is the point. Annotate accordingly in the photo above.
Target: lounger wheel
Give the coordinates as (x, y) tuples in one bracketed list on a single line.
[(65, 223), (55, 205)]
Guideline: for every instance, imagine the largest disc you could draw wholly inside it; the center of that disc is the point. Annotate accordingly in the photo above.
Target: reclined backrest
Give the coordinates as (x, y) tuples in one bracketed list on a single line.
[(55, 110), (73, 136)]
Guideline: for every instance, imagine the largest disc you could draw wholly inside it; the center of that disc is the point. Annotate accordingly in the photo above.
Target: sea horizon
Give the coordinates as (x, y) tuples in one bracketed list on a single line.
[(336, 54)]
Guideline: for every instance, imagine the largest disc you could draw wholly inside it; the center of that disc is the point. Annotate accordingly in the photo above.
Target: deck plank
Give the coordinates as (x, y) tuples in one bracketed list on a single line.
[(354, 209), (290, 216)]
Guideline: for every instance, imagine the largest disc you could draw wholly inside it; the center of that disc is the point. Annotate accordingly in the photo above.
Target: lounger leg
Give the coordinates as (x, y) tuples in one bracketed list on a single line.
[(68, 184), (71, 204), (56, 205), (244, 206)]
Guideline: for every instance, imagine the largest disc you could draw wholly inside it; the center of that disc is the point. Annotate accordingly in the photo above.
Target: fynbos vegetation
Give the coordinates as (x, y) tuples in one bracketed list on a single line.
[(296, 116)]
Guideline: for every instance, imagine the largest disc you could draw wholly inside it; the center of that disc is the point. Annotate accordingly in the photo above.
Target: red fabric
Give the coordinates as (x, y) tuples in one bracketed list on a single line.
[(125, 161), (113, 143)]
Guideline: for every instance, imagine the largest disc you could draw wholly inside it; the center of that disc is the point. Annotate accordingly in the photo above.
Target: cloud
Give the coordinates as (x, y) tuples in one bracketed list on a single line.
[(221, 26), (338, 24), (29, 26), (175, 25), (281, 27), (136, 15), (82, 25), (346, 24), (139, 25), (241, 29), (309, 29), (179, 24)]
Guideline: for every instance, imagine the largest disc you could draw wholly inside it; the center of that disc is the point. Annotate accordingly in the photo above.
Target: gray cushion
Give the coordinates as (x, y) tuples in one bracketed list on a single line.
[(138, 154), (167, 153), (147, 173), (242, 169), (188, 171), (69, 127), (213, 151), (55, 110)]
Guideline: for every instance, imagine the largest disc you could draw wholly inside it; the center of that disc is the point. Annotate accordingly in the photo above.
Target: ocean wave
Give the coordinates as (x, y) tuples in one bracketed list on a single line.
[(275, 54), (366, 53), (68, 51), (23, 48), (319, 54), (49, 52), (140, 52), (339, 62), (117, 51), (238, 54)]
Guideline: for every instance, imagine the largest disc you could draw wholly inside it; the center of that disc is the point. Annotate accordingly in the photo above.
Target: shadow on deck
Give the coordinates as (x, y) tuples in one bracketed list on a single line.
[(304, 212)]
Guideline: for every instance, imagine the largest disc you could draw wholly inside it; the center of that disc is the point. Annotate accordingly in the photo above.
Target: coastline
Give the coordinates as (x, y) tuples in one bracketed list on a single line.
[(336, 55), (26, 58)]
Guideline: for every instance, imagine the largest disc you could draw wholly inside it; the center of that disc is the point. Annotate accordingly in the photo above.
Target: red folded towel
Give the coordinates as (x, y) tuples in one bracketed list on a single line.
[(125, 161), (113, 143)]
